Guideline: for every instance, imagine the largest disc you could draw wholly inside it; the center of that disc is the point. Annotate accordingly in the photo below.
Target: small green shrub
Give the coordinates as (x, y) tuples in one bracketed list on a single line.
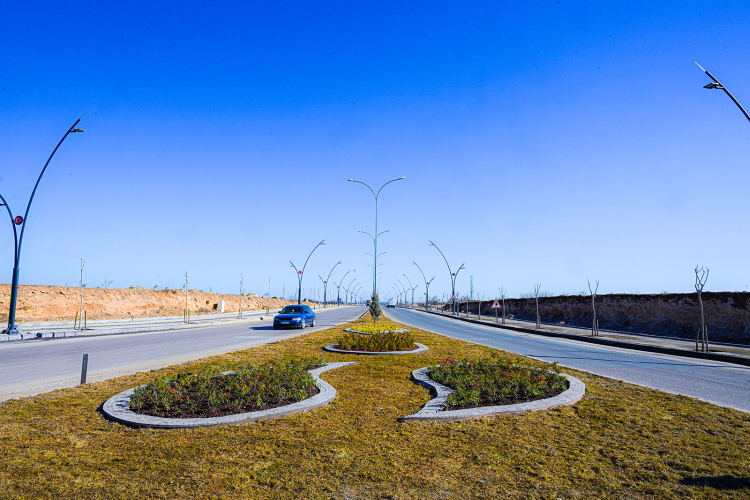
[(211, 393), (376, 342), (496, 381)]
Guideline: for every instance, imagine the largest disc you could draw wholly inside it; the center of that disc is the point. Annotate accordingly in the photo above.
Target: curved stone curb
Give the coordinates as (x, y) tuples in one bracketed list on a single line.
[(420, 348), (432, 411), (352, 330), (116, 408)]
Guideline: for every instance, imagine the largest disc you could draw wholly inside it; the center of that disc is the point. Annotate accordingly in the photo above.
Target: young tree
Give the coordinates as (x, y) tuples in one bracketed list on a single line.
[(536, 297), (375, 310), (83, 263), (241, 280), (701, 276), (502, 297), (594, 324)]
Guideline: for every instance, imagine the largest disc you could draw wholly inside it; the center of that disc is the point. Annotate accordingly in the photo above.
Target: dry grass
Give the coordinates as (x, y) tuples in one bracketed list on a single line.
[(621, 441)]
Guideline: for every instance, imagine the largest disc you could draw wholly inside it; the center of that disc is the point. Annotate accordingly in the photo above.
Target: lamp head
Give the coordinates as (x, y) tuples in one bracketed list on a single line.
[(77, 130), (714, 85)]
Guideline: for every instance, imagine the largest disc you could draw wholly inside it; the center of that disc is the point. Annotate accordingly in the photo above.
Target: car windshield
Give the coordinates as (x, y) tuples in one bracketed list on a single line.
[(292, 310)]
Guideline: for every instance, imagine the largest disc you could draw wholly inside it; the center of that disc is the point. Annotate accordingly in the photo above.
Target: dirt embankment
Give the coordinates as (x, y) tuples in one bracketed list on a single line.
[(57, 303), (667, 314)]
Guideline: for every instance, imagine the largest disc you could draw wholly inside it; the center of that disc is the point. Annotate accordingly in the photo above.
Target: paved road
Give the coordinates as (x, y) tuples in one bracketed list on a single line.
[(720, 383), (31, 367)]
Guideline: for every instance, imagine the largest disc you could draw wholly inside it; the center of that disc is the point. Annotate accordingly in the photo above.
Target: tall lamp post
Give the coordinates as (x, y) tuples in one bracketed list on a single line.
[(21, 221), (453, 277), (348, 288), (302, 272), (338, 288), (325, 283), (717, 85), (375, 239), (426, 285), (403, 290), (412, 289)]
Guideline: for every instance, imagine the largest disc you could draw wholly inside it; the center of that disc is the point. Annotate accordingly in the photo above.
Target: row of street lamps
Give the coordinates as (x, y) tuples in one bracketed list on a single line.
[(21, 221)]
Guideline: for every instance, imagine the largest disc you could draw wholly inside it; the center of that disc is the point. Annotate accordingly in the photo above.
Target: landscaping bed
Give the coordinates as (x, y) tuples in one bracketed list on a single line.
[(496, 381), (213, 392), (376, 337)]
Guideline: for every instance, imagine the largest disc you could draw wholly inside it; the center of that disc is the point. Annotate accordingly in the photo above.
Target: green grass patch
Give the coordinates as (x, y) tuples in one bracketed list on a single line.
[(620, 441), (214, 392), (496, 381)]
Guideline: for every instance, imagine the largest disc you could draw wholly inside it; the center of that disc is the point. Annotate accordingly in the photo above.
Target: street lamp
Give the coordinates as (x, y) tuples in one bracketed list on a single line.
[(375, 239), (338, 288), (403, 290), (21, 221), (717, 85), (325, 283), (426, 285), (453, 276), (349, 288), (412, 289), (301, 273)]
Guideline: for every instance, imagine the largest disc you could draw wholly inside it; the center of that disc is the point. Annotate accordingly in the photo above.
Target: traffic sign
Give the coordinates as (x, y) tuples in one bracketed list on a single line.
[(453, 297), (18, 220), (496, 305)]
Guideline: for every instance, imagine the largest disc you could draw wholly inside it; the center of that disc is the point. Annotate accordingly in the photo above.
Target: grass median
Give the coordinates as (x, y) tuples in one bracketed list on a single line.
[(620, 441)]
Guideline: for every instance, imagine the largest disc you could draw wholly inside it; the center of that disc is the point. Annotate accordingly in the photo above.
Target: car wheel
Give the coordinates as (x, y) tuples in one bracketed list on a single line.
[(302, 325), (313, 323), (275, 327)]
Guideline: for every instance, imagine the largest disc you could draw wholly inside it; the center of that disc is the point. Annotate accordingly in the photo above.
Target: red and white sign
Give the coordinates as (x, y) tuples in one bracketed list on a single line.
[(18, 220), (453, 297), (496, 305)]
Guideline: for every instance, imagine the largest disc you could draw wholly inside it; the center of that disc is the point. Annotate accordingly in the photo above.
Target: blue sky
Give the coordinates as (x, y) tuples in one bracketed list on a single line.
[(543, 142)]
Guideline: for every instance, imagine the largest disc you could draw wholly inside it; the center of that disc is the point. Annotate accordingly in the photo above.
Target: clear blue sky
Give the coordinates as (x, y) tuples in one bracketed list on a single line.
[(542, 142)]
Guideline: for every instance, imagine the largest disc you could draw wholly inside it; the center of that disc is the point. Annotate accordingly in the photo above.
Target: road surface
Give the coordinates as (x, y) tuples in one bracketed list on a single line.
[(32, 367)]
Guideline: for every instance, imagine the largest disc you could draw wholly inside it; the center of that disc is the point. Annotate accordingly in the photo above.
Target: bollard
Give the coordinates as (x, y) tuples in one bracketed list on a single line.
[(75, 321), (84, 368)]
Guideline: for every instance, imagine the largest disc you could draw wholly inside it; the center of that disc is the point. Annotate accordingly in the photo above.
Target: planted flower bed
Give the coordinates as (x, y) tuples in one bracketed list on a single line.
[(214, 393), (376, 327), (376, 342), (496, 381)]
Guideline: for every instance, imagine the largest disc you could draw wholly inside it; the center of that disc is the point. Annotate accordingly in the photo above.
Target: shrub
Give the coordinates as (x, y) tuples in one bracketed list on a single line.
[(496, 381), (214, 392), (376, 342)]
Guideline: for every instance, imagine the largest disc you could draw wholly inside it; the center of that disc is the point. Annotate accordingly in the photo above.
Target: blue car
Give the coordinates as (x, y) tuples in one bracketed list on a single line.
[(294, 317)]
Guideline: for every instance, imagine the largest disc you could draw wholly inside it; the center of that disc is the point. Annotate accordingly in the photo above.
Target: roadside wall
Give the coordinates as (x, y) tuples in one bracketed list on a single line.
[(668, 314)]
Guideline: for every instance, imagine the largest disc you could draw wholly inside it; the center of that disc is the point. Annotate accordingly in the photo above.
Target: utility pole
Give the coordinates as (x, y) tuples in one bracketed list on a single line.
[(268, 301)]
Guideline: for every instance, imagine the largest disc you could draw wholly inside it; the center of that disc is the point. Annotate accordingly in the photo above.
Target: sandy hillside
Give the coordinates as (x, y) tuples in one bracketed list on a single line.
[(52, 303)]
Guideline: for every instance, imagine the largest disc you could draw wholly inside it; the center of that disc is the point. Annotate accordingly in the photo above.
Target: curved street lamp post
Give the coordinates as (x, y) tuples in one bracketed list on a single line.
[(302, 272), (375, 239), (453, 277), (338, 288), (325, 283), (717, 85), (426, 285), (412, 289), (21, 221)]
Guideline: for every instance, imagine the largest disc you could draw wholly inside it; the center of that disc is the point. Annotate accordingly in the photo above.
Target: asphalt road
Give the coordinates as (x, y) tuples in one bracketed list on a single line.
[(720, 383), (32, 367)]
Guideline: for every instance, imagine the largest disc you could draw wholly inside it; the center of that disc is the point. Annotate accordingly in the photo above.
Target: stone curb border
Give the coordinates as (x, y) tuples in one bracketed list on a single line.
[(431, 411), (420, 348), (116, 408), (351, 330)]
